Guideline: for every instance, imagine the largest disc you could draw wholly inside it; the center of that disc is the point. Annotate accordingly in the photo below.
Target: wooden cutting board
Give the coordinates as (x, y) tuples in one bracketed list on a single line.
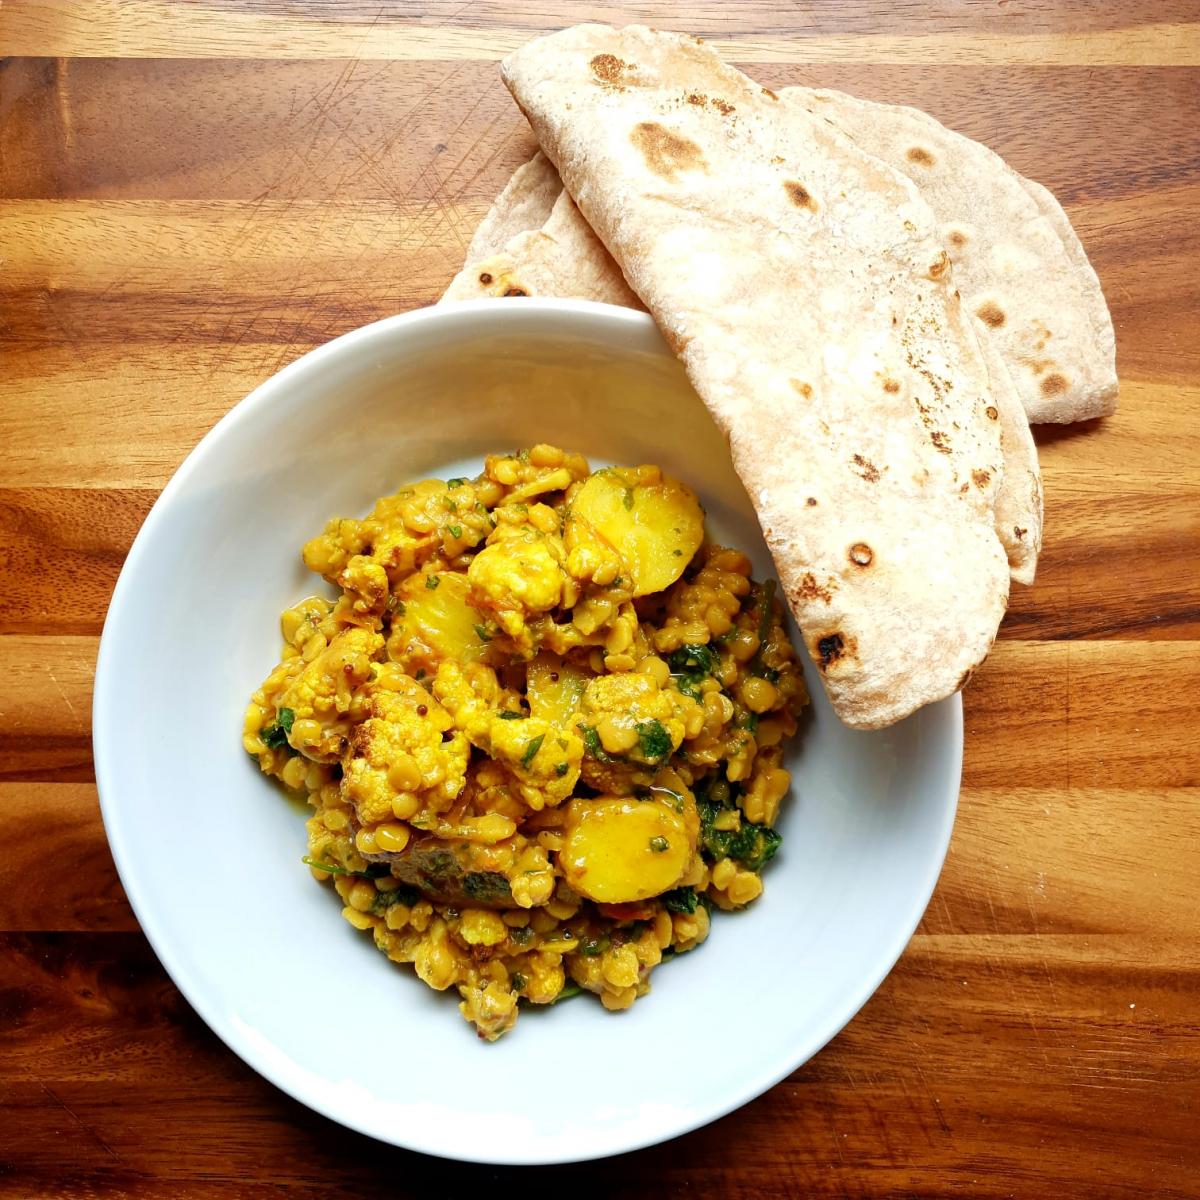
[(192, 195)]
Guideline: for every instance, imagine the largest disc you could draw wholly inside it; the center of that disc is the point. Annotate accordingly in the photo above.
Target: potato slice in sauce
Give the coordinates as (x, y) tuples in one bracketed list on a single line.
[(436, 623), (621, 849), (555, 689), (654, 527)]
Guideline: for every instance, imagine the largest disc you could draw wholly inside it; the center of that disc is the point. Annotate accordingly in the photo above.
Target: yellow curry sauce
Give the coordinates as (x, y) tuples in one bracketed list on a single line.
[(541, 728)]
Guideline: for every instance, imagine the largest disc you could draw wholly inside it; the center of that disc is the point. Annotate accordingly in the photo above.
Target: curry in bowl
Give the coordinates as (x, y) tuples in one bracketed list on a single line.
[(541, 728)]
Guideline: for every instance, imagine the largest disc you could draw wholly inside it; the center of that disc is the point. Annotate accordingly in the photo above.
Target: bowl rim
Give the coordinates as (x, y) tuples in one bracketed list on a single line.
[(641, 334)]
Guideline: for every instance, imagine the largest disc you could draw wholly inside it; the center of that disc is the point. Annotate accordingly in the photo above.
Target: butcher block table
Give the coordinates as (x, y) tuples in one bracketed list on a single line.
[(193, 195)]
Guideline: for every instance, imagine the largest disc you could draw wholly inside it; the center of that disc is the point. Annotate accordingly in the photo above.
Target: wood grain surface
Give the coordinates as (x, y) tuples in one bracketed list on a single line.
[(193, 194)]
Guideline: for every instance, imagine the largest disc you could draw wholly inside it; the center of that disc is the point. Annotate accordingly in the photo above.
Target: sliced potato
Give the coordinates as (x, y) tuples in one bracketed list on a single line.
[(654, 527), (555, 689), (436, 624), (624, 849)]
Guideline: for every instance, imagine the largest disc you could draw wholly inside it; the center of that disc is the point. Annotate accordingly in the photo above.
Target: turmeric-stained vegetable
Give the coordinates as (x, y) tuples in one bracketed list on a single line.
[(655, 528), (615, 850), (555, 689), (432, 624)]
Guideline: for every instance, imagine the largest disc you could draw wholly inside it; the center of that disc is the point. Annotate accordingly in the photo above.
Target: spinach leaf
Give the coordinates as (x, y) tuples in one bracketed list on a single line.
[(276, 735)]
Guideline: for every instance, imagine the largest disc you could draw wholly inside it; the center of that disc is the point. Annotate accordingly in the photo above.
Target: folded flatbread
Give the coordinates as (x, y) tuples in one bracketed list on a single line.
[(1017, 261), (523, 205), (561, 257), (803, 284)]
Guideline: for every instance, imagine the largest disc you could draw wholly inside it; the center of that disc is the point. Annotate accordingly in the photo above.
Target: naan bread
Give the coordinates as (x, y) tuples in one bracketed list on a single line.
[(576, 264), (1017, 262), (803, 285)]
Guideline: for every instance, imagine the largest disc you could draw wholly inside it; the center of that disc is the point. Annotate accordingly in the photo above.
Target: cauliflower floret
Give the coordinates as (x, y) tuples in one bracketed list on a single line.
[(543, 760), (366, 583), (517, 575), (634, 718), (403, 531), (471, 694), (399, 764), (322, 695)]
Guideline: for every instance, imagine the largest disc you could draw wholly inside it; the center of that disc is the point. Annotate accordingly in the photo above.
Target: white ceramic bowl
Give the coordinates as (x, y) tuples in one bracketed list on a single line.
[(209, 850)]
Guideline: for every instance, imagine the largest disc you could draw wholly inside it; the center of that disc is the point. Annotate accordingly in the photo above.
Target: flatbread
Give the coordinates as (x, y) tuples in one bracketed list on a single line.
[(1018, 511), (802, 283), (561, 258), (1017, 261), (524, 204)]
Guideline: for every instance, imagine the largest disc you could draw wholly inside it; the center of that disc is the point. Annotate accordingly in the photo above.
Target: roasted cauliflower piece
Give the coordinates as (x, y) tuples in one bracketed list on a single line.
[(405, 759), (322, 696), (519, 575), (543, 759), (472, 695)]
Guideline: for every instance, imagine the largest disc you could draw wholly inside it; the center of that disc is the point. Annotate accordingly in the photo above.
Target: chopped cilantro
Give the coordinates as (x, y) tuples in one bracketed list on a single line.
[(481, 630), (372, 872), (764, 616), (561, 770), (404, 894), (757, 666), (569, 991), (509, 715), (681, 900), (531, 750), (591, 743), (654, 740), (456, 482), (592, 947), (455, 531), (521, 936), (519, 982), (276, 735), (399, 608), (659, 844), (689, 665), (677, 553), (627, 499), (431, 582)]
